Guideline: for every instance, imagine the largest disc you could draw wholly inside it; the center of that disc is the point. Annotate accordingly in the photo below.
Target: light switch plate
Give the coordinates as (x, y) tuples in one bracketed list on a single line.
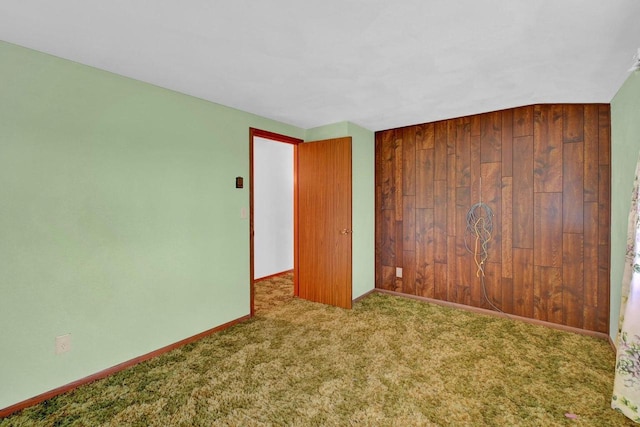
[(63, 344)]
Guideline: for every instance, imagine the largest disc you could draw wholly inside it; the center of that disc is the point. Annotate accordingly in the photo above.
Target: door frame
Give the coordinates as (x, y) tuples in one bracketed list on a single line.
[(254, 132)]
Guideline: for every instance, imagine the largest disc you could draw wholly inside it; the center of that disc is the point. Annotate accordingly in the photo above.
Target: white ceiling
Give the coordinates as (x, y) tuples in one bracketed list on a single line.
[(377, 63)]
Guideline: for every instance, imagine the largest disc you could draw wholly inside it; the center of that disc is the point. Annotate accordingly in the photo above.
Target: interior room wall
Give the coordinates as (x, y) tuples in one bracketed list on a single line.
[(272, 206), (625, 147), (120, 222), (544, 171)]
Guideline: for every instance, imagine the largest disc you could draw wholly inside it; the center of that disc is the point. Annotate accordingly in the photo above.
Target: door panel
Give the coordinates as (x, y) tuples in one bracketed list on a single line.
[(324, 221)]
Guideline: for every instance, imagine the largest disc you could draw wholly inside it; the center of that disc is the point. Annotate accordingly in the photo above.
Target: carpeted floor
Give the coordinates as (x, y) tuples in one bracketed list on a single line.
[(387, 362)]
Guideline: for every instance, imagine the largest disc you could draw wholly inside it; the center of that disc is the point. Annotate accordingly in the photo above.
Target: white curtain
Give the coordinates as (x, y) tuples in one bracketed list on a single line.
[(626, 388)]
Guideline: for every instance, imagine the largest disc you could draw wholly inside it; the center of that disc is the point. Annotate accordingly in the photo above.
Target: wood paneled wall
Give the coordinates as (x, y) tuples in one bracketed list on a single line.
[(544, 170)]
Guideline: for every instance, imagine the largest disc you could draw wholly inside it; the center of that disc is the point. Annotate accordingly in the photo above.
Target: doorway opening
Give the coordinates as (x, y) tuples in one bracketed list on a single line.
[(273, 207)]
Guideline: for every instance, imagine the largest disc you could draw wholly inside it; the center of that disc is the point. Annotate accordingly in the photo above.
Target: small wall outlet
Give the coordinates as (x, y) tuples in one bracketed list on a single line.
[(63, 343), (399, 272)]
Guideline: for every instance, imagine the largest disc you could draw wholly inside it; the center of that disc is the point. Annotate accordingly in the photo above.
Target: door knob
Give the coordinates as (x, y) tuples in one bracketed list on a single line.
[(346, 231)]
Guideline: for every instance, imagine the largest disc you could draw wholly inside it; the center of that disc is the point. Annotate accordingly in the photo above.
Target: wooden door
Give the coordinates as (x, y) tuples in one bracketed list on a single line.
[(324, 221)]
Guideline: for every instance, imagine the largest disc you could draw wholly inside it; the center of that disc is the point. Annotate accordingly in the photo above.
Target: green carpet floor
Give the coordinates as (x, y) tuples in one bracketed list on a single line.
[(387, 362)]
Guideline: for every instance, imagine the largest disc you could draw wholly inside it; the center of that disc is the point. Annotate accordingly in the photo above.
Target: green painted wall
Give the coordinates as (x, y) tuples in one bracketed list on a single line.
[(119, 220), (363, 188), (334, 130), (625, 146)]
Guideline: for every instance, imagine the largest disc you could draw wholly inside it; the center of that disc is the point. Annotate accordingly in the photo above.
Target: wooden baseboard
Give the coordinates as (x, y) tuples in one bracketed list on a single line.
[(110, 371), (479, 310), (272, 275), (372, 291)]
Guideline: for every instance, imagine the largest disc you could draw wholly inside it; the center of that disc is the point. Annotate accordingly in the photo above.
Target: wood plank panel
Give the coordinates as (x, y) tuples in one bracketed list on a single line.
[(388, 238), (424, 178), (493, 286), (507, 233), (464, 264), (426, 141), (573, 123), (440, 151), (418, 136), (441, 281), (451, 194), (523, 282), (409, 161), (591, 254), (475, 125), (573, 279), (603, 288), (398, 174), (492, 197), (409, 273), (604, 204), (477, 299), (523, 121), (378, 157), (491, 137), (387, 169), (440, 221), (452, 134), (591, 149), (388, 278), (475, 168), (453, 293), (590, 316), (378, 203), (604, 214), (523, 192), (604, 134), (409, 223), (425, 266), (604, 254), (377, 242), (506, 284), (548, 230), (547, 140), (464, 277), (507, 142), (463, 155), (547, 294), (541, 151), (399, 252), (462, 204), (573, 187)]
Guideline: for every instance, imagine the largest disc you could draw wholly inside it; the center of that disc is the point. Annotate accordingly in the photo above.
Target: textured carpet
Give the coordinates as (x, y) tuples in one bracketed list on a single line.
[(387, 362)]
